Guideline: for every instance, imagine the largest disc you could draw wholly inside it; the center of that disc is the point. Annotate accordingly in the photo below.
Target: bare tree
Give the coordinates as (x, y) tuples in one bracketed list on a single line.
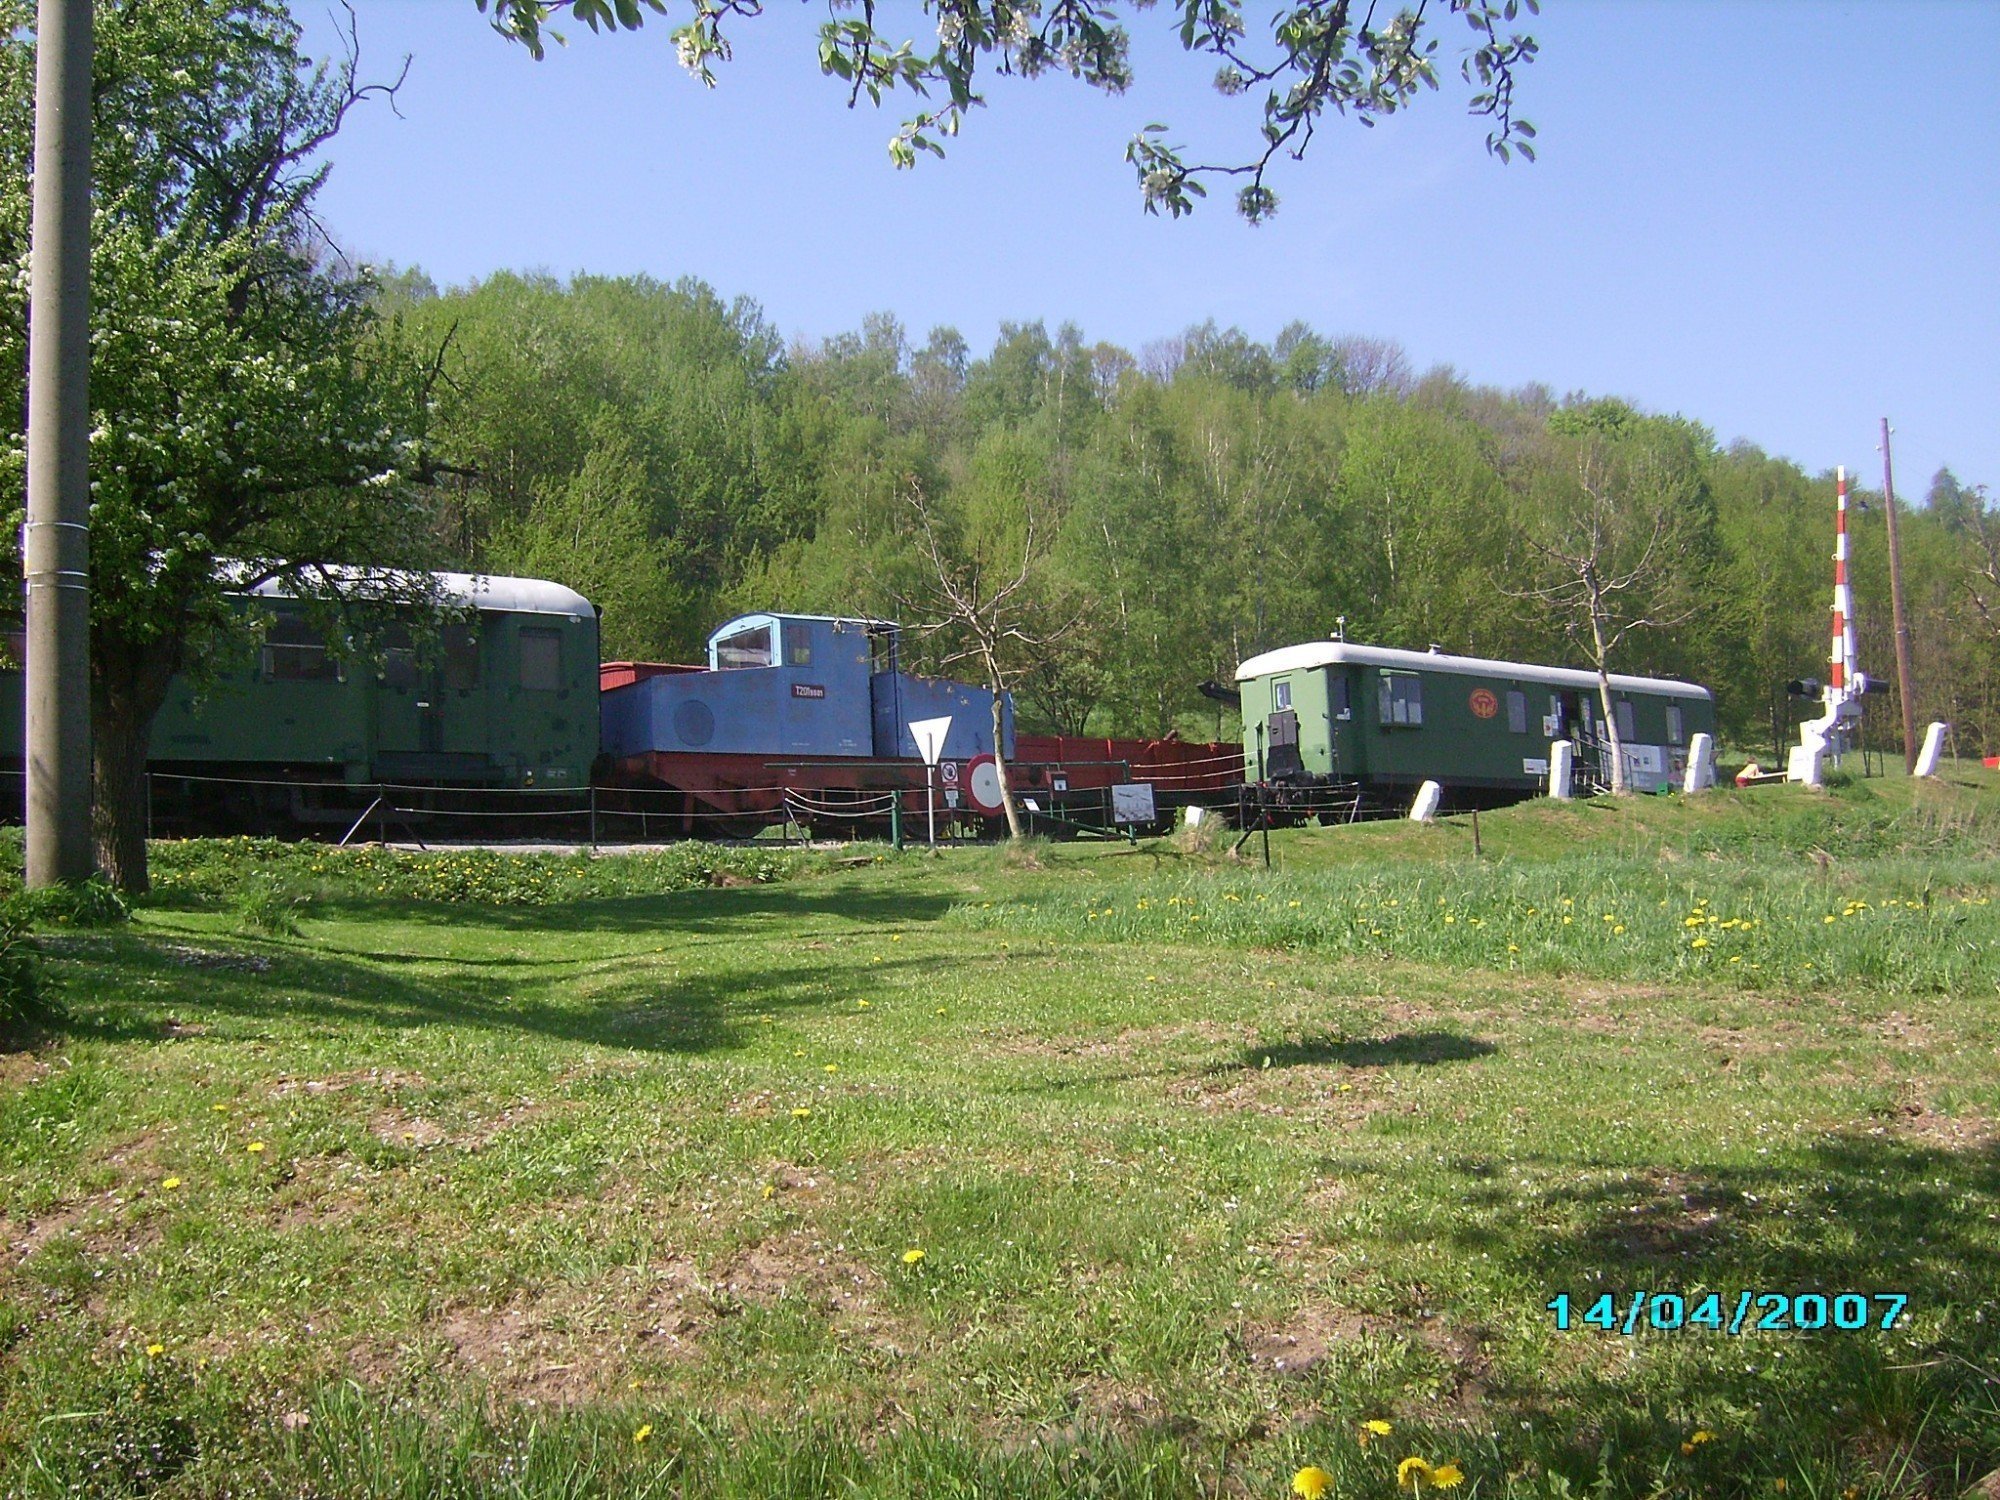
[(1612, 553), (988, 598)]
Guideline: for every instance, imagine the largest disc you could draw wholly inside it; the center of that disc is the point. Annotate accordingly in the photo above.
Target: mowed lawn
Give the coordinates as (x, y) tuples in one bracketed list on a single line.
[(1106, 1171)]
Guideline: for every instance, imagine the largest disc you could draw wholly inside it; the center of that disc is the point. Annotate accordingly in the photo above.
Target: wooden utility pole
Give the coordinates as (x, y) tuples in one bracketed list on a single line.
[(1900, 620), (56, 540)]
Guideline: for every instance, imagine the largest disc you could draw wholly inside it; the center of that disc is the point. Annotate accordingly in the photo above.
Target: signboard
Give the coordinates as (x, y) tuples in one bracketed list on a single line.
[(929, 735), (948, 773), (808, 690), (1132, 802), (982, 785)]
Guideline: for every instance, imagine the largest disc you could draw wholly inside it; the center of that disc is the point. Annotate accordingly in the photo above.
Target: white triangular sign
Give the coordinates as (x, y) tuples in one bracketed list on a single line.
[(929, 735)]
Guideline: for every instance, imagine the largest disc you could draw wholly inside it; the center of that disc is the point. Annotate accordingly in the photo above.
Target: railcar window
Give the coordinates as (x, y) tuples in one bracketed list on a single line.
[(1402, 699), (1343, 706), (1517, 713), (1281, 695), (461, 657), (541, 659), (798, 649), (746, 648), (1625, 731), (294, 652), (1674, 726)]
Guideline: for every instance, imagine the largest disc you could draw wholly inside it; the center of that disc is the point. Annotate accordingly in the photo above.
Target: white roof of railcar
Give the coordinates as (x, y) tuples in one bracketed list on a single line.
[(1312, 654), (526, 596)]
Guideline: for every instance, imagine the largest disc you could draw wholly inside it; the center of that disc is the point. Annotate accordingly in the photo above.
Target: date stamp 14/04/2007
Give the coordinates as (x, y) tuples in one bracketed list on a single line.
[(1762, 1312)]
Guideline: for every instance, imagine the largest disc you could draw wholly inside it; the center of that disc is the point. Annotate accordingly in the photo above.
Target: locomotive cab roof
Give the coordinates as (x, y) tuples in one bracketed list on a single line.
[(1313, 654)]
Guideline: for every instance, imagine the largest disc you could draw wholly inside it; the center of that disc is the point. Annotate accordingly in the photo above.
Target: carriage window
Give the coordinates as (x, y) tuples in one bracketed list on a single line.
[(1281, 695), (294, 652), (1624, 707), (1675, 729), (541, 659), (746, 648), (798, 648), (1343, 707), (1517, 713), (461, 657), (1402, 699)]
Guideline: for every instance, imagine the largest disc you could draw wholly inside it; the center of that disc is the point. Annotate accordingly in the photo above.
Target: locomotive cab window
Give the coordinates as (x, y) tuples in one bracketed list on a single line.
[(1626, 733), (1343, 706), (1402, 700), (1281, 695), (1675, 729), (798, 649), (746, 648), (541, 659), (1517, 713)]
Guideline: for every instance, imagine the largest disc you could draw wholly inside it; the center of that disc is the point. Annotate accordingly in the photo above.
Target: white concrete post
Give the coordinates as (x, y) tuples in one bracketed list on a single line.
[(1807, 762), (1425, 807), (1562, 769), (1933, 751), (1701, 765)]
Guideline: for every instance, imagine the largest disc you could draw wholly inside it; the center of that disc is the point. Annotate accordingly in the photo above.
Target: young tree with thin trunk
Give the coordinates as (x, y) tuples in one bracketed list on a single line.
[(1617, 543)]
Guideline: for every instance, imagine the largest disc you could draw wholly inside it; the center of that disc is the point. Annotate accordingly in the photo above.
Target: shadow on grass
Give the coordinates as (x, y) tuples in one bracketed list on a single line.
[(157, 986), (1416, 1048)]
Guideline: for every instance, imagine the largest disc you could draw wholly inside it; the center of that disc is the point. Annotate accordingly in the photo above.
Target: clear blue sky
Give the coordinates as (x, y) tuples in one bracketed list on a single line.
[(1779, 218)]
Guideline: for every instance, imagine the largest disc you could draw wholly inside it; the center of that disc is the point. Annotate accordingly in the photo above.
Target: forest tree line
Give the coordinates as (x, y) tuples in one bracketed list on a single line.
[(1177, 509)]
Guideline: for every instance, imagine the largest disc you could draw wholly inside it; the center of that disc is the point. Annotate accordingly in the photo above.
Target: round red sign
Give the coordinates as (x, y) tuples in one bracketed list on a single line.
[(1484, 704)]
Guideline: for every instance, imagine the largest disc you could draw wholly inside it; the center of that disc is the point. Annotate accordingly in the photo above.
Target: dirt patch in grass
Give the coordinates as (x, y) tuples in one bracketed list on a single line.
[(1323, 1095), (389, 1080), (1318, 1330), (1671, 1217), (1912, 1120)]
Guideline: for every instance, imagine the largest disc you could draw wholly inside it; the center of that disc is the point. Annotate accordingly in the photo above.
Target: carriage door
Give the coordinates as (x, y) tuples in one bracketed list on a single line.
[(1281, 752)]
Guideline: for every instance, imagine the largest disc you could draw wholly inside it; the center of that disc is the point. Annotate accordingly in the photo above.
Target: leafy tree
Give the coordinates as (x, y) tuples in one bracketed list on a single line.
[(1321, 56), (243, 405)]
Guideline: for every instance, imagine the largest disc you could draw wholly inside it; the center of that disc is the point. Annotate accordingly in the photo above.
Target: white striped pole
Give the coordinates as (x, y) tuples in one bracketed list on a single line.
[(1841, 672)]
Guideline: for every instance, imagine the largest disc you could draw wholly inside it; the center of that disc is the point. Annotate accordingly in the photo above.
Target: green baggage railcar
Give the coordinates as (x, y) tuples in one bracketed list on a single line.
[(1380, 720), (504, 694)]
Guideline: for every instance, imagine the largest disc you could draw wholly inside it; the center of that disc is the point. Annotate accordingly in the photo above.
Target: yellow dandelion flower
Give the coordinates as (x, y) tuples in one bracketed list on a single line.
[(833, 1067), (1780, 1485), (861, 1005), (940, 1010), (1412, 1472), (1699, 943), (1311, 1482), (221, 1109), (1445, 1476), (1513, 947), (913, 1256), (1686, 1449), (642, 1432), (1568, 920), (1609, 917), (801, 1113), (1619, 930), (1293, 903), (171, 1183), (255, 1148), (1379, 1427), (770, 1190), (154, 1351), (1700, 1436)]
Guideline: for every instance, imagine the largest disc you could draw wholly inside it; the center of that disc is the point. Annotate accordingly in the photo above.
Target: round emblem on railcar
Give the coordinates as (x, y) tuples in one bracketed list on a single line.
[(1484, 704), (694, 722)]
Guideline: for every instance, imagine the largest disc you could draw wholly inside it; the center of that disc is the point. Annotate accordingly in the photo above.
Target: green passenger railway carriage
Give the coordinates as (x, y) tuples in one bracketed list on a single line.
[(1381, 721)]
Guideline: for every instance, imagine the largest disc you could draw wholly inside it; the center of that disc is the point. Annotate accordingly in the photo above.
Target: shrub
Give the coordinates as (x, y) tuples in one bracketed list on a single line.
[(270, 907)]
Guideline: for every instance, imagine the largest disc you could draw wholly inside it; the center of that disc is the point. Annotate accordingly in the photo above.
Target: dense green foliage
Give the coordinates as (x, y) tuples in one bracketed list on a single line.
[(244, 409), (658, 449)]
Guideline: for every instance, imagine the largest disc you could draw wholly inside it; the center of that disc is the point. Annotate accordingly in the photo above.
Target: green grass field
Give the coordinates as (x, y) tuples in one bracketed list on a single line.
[(1089, 1170)]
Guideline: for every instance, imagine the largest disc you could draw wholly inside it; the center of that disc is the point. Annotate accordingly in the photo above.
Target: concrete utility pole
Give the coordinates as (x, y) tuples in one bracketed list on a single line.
[(56, 539), (1901, 621)]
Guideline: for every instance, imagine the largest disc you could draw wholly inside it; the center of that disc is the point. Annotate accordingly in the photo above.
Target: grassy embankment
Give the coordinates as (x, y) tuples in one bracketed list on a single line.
[(546, 1176)]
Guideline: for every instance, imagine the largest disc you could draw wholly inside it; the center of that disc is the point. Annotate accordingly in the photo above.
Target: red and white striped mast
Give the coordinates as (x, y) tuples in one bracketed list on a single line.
[(1845, 681)]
